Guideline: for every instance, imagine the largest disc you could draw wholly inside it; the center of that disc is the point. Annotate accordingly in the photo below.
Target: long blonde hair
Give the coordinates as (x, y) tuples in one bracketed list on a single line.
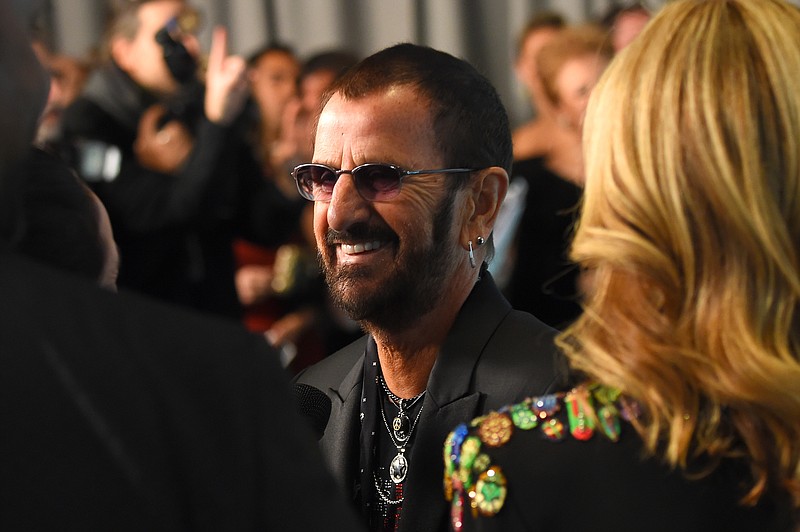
[(691, 233)]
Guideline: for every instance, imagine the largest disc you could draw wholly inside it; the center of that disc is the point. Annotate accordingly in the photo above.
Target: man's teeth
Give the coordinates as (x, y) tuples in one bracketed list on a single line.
[(352, 249)]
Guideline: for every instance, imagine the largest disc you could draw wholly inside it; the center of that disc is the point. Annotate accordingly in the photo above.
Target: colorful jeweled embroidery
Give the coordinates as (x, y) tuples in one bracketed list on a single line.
[(472, 481)]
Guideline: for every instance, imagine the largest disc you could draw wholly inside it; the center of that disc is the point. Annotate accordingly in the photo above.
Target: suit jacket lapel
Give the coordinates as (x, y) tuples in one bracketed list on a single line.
[(340, 442), (452, 375)]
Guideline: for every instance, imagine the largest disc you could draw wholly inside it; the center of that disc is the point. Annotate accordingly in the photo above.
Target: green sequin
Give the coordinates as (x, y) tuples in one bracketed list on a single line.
[(449, 457), (477, 421), (490, 492), (523, 417), (605, 395), (482, 463), (609, 421), (469, 451)]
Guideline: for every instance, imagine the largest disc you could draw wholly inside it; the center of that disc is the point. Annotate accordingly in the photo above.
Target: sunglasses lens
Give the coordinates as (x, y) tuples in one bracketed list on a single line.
[(315, 181), (377, 182)]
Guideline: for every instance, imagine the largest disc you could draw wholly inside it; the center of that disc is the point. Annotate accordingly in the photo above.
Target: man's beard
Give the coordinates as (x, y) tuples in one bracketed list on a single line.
[(413, 287)]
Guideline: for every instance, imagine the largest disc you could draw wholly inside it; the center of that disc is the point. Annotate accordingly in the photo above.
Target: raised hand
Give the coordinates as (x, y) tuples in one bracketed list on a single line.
[(226, 81)]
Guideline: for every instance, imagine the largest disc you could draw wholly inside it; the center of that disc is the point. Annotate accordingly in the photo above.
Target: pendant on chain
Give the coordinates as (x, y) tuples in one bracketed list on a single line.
[(400, 426), (399, 467)]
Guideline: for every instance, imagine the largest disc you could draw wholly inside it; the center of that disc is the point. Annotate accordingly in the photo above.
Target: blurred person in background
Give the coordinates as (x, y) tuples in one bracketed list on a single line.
[(280, 286), (624, 22), (533, 137), (542, 280), (65, 223), (158, 134), (67, 77), (273, 73)]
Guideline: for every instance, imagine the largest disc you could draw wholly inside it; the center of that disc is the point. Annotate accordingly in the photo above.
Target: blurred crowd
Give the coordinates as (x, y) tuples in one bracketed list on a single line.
[(558, 64), (184, 160)]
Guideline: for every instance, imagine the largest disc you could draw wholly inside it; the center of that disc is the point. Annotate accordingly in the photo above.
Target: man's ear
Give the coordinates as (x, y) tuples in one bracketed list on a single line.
[(487, 191)]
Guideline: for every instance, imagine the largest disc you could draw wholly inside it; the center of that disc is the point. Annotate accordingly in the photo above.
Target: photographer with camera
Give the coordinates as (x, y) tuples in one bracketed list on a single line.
[(159, 140)]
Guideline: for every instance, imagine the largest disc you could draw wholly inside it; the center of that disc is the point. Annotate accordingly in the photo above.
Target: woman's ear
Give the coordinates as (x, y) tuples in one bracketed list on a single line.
[(486, 194)]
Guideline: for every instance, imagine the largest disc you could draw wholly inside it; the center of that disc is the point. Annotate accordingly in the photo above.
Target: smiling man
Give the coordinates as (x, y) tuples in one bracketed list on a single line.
[(410, 167)]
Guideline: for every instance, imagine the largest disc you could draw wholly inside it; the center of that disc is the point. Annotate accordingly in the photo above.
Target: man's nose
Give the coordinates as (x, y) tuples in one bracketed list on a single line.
[(346, 205)]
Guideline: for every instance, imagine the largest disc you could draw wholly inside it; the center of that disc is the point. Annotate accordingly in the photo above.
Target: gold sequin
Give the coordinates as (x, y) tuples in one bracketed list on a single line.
[(496, 429)]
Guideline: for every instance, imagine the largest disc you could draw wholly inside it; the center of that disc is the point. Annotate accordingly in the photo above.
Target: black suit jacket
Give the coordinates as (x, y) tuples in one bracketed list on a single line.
[(120, 414), (493, 355)]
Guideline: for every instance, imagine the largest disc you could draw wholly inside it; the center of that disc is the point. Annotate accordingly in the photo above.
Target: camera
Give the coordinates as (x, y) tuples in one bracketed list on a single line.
[(187, 105)]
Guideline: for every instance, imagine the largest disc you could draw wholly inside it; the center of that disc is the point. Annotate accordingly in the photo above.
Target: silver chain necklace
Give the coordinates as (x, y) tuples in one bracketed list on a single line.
[(398, 467), (401, 425), (400, 435)]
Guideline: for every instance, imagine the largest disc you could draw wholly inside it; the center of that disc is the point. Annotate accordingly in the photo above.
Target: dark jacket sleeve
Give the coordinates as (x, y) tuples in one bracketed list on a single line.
[(143, 199), (219, 181)]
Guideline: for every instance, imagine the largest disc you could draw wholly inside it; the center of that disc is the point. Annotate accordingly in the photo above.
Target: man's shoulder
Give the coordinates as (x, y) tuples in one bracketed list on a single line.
[(522, 336), (530, 325), (334, 368), (143, 398), (521, 358), (74, 312), (488, 316)]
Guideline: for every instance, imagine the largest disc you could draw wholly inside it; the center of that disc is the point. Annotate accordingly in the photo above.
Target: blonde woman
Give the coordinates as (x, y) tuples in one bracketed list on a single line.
[(687, 411)]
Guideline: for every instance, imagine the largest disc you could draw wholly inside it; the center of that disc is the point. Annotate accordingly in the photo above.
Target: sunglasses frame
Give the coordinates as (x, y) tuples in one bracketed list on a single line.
[(401, 173)]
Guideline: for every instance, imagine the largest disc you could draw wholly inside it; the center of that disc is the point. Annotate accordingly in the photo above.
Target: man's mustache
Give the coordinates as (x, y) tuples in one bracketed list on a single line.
[(358, 233)]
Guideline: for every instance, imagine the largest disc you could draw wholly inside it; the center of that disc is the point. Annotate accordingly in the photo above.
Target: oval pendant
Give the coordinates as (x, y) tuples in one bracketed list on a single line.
[(398, 468), (400, 425)]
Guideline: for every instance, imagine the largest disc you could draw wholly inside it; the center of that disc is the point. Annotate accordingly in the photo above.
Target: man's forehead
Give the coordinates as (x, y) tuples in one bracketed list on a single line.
[(158, 12), (401, 101), (392, 127), (389, 110)]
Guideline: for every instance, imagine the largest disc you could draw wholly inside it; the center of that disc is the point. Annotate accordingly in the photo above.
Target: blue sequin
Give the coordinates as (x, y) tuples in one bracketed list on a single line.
[(459, 434), (547, 404)]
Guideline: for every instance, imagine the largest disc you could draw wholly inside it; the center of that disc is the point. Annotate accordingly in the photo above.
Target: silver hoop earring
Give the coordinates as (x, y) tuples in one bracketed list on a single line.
[(480, 241), (471, 255)]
